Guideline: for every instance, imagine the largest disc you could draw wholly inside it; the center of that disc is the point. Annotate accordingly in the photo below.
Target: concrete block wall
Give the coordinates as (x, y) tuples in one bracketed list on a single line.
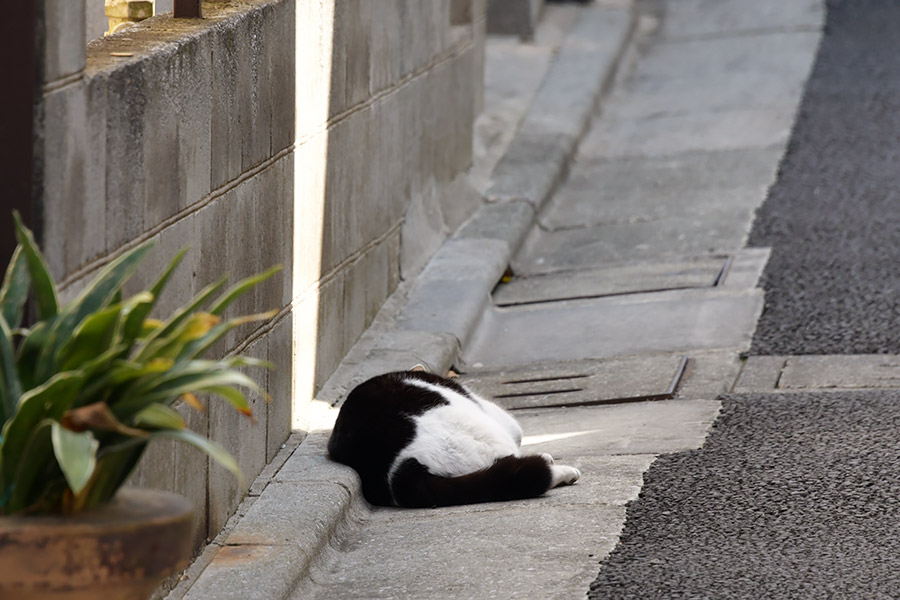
[(330, 136)]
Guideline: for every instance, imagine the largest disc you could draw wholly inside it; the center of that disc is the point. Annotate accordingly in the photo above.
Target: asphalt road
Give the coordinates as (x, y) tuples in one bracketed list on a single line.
[(787, 499), (797, 496), (832, 218)]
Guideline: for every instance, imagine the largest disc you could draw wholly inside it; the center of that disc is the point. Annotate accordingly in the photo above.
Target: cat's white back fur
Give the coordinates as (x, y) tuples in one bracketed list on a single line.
[(467, 435)]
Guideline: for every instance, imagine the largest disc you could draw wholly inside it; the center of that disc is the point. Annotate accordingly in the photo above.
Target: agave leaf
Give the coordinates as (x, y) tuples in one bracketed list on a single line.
[(193, 401), (44, 288), (91, 339), (168, 372), (108, 282), (49, 400), (159, 416), (14, 291), (96, 295), (157, 338), (114, 465), (236, 398), (201, 345), (148, 327), (136, 316), (241, 288), (29, 350), (132, 316), (212, 449), (122, 372), (170, 391), (97, 416), (76, 453), (247, 361), (29, 472), (10, 387), (193, 328), (100, 364)]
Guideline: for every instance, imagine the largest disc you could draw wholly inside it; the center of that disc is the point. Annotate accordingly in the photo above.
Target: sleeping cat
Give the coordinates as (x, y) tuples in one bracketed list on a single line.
[(420, 440)]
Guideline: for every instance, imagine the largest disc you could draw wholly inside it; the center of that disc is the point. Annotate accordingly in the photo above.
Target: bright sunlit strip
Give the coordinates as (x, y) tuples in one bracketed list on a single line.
[(530, 440)]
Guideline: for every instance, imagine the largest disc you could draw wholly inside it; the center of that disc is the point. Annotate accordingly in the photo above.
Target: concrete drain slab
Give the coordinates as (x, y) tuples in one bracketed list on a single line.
[(584, 382), (657, 323), (646, 240), (625, 278), (804, 373)]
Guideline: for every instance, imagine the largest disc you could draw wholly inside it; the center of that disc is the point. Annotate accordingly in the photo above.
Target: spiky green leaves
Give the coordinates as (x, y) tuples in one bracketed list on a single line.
[(90, 383)]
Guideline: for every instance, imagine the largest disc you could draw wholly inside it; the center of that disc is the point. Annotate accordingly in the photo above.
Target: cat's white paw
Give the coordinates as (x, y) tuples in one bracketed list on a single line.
[(547, 457), (563, 475)]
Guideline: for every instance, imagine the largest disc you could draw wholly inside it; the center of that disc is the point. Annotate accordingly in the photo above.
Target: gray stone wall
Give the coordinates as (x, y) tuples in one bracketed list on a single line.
[(332, 137)]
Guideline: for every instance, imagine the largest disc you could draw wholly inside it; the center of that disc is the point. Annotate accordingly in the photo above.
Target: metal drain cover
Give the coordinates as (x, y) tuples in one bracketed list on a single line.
[(579, 383)]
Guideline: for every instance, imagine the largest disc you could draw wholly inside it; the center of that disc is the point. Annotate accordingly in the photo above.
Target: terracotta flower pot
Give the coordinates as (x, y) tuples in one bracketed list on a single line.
[(118, 551)]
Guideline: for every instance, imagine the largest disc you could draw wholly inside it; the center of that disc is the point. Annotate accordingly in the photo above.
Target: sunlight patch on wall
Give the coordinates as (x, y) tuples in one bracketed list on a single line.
[(313, 65)]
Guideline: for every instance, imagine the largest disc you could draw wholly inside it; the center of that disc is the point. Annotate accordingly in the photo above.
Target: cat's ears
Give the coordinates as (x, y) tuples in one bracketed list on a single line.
[(419, 367)]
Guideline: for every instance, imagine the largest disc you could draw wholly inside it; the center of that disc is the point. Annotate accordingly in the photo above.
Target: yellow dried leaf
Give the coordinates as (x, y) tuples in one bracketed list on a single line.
[(194, 402)]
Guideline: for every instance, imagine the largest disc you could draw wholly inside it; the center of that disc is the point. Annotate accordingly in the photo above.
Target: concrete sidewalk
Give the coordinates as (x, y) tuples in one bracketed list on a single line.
[(629, 300)]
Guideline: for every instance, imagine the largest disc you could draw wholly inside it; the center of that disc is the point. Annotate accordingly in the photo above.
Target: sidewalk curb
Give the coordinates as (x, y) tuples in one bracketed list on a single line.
[(450, 295), (537, 158), (269, 546)]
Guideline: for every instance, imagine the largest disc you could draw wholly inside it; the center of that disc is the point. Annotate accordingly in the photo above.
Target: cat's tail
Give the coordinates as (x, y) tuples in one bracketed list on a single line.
[(509, 478)]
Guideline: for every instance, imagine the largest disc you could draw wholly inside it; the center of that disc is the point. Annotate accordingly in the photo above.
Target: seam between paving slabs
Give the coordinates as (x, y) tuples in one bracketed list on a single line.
[(443, 306)]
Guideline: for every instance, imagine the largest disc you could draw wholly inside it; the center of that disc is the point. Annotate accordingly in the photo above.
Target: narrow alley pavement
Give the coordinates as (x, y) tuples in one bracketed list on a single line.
[(660, 175)]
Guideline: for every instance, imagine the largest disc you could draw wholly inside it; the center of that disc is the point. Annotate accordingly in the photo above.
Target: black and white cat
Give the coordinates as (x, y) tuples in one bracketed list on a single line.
[(420, 440)]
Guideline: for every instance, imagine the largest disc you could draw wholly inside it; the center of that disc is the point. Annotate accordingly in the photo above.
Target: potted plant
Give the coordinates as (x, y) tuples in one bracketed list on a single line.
[(83, 389)]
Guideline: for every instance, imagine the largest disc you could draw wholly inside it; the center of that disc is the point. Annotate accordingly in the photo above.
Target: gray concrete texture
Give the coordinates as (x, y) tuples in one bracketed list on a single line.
[(611, 280), (562, 107), (568, 531), (669, 321), (557, 540), (194, 132), (426, 332), (514, 17), (834, 372)]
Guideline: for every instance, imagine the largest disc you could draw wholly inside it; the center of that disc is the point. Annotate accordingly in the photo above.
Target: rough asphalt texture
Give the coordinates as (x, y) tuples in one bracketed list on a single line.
[(797, 496), (833, 281), (792, 496)]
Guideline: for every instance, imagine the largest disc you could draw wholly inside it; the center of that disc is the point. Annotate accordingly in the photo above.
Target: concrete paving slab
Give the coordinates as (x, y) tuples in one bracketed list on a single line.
[(730, 129), (634, 428), (848, 372), (622, 191), (579, 382), (760, 373), (563, 105), (472, 555), (719, 230), (675, 321), (747, 71), (628, 278), (696, 18), (513, 74), (745, 268), (708, 374), (800, 373)]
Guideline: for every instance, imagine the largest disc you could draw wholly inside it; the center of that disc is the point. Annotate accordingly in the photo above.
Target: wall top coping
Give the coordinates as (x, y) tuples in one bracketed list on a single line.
[(163, 34)]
